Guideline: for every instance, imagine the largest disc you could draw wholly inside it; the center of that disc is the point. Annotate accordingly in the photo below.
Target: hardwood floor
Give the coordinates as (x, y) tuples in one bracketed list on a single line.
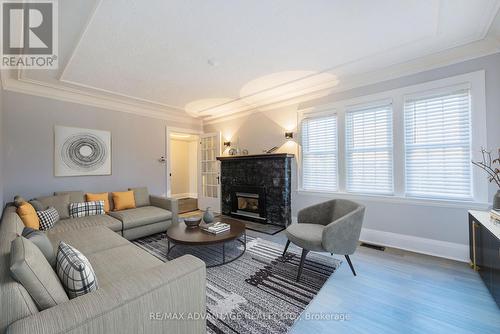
[(400, 292)]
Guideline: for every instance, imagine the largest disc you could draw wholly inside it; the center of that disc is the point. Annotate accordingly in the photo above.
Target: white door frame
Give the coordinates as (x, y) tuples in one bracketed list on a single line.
[(168, 131)]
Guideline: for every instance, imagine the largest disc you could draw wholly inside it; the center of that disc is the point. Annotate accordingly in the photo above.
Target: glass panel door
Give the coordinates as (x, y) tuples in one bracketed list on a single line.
[(209, 172)]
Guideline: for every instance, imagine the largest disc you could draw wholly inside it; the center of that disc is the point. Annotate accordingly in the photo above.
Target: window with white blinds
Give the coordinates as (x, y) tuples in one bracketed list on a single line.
[(438, 145), (369, 149), (319, 154)]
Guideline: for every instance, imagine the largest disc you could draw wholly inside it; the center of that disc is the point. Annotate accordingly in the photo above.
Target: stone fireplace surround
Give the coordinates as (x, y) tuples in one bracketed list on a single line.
[(268, 175)]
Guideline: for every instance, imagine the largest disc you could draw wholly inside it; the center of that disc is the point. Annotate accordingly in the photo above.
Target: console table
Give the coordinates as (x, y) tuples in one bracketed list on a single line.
[(484, 243)]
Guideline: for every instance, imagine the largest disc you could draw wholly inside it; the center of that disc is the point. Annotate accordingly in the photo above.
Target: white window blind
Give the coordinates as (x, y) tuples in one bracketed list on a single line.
[(369, 149), (319, 153), (437, 139)]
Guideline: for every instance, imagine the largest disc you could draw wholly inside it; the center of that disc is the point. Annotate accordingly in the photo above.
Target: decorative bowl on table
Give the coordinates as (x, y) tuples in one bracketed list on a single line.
[(192, 222)]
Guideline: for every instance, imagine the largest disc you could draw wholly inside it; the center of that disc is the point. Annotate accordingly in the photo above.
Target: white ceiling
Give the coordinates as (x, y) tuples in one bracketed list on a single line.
[(219, 57)]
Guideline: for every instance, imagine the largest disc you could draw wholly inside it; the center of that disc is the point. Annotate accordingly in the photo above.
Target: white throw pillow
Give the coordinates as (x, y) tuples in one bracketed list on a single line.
[(47, 218), (75, 272), (85, 209)]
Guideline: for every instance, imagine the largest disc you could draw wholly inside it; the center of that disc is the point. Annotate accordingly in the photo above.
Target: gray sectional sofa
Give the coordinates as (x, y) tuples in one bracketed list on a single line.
[(137, 292), (153, 214)]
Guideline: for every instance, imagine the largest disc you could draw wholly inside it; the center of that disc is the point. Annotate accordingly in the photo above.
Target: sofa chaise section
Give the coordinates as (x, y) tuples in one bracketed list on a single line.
[(69, 224), (131, 305), (88, 240), (147, 220)]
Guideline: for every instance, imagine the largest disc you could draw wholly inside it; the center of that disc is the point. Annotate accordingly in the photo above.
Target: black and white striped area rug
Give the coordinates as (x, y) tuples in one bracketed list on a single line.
[(256, 293)]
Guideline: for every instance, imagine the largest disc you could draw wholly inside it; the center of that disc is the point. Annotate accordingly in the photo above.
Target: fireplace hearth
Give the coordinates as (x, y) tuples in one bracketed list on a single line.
[(257, 188)]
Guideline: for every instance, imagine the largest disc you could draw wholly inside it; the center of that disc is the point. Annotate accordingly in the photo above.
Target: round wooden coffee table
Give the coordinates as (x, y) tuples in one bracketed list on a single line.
[(180, 234)]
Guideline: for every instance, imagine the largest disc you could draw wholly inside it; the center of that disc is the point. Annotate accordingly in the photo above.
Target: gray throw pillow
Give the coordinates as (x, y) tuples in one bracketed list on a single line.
[(74, 196), (141, 196), (37, 205), (18, 200), (110, 201), (29, 267), (74, 271), (42, 242), (60, 203)]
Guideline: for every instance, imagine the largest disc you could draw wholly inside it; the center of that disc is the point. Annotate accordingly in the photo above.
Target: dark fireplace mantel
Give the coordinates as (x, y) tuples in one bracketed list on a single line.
[(270, 174), (256, 156)]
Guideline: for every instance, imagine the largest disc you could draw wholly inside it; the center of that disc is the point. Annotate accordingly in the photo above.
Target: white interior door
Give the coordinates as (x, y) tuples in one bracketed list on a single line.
[(209, 194)]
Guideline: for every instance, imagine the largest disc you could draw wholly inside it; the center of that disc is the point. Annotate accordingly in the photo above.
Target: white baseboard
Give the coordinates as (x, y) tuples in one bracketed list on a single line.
[(444, 249)]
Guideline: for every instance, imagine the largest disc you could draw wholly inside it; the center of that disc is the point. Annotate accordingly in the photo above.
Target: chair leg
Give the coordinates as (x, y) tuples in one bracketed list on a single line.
[(286, 247), (350, 264), (302, 259)]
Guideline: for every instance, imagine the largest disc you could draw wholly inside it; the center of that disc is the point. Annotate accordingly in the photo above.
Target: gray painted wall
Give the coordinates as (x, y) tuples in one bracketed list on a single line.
[(259, 131), (1, 152), (28, 127), (446, 224)]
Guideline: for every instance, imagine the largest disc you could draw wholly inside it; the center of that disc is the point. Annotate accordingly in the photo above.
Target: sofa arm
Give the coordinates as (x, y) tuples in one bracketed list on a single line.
[(170, 204), (169, 298)]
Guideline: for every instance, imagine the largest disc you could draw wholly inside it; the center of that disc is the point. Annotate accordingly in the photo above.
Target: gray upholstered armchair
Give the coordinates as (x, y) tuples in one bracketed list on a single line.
[(332, 226)]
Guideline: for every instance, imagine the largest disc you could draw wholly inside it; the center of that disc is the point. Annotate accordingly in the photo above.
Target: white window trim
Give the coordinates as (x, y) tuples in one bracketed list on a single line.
[(475, 81), (300, 152), (430, 93)]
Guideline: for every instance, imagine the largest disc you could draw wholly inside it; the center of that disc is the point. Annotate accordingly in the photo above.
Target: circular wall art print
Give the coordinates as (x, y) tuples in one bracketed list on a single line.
[(82, 152)]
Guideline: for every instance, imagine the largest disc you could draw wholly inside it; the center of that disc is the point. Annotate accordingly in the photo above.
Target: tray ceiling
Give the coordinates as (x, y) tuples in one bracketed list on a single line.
[(217, 58)]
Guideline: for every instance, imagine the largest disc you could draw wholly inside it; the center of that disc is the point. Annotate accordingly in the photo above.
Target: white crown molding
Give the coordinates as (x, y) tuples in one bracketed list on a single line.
[(134, 98), (278, 102), (124, 103), (67, 94), (484, 47)]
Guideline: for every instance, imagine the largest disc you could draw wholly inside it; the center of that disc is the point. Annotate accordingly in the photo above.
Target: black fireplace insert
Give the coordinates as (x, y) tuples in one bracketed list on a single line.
[(248, 202)]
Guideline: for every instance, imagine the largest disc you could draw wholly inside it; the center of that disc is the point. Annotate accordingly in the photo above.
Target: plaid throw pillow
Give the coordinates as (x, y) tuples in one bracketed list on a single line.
[(85, 209), (75, 272), (47, 218)]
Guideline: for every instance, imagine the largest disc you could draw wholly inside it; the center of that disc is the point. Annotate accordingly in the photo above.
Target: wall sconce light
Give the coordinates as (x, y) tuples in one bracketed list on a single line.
[(227, 143), (288, 135)]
